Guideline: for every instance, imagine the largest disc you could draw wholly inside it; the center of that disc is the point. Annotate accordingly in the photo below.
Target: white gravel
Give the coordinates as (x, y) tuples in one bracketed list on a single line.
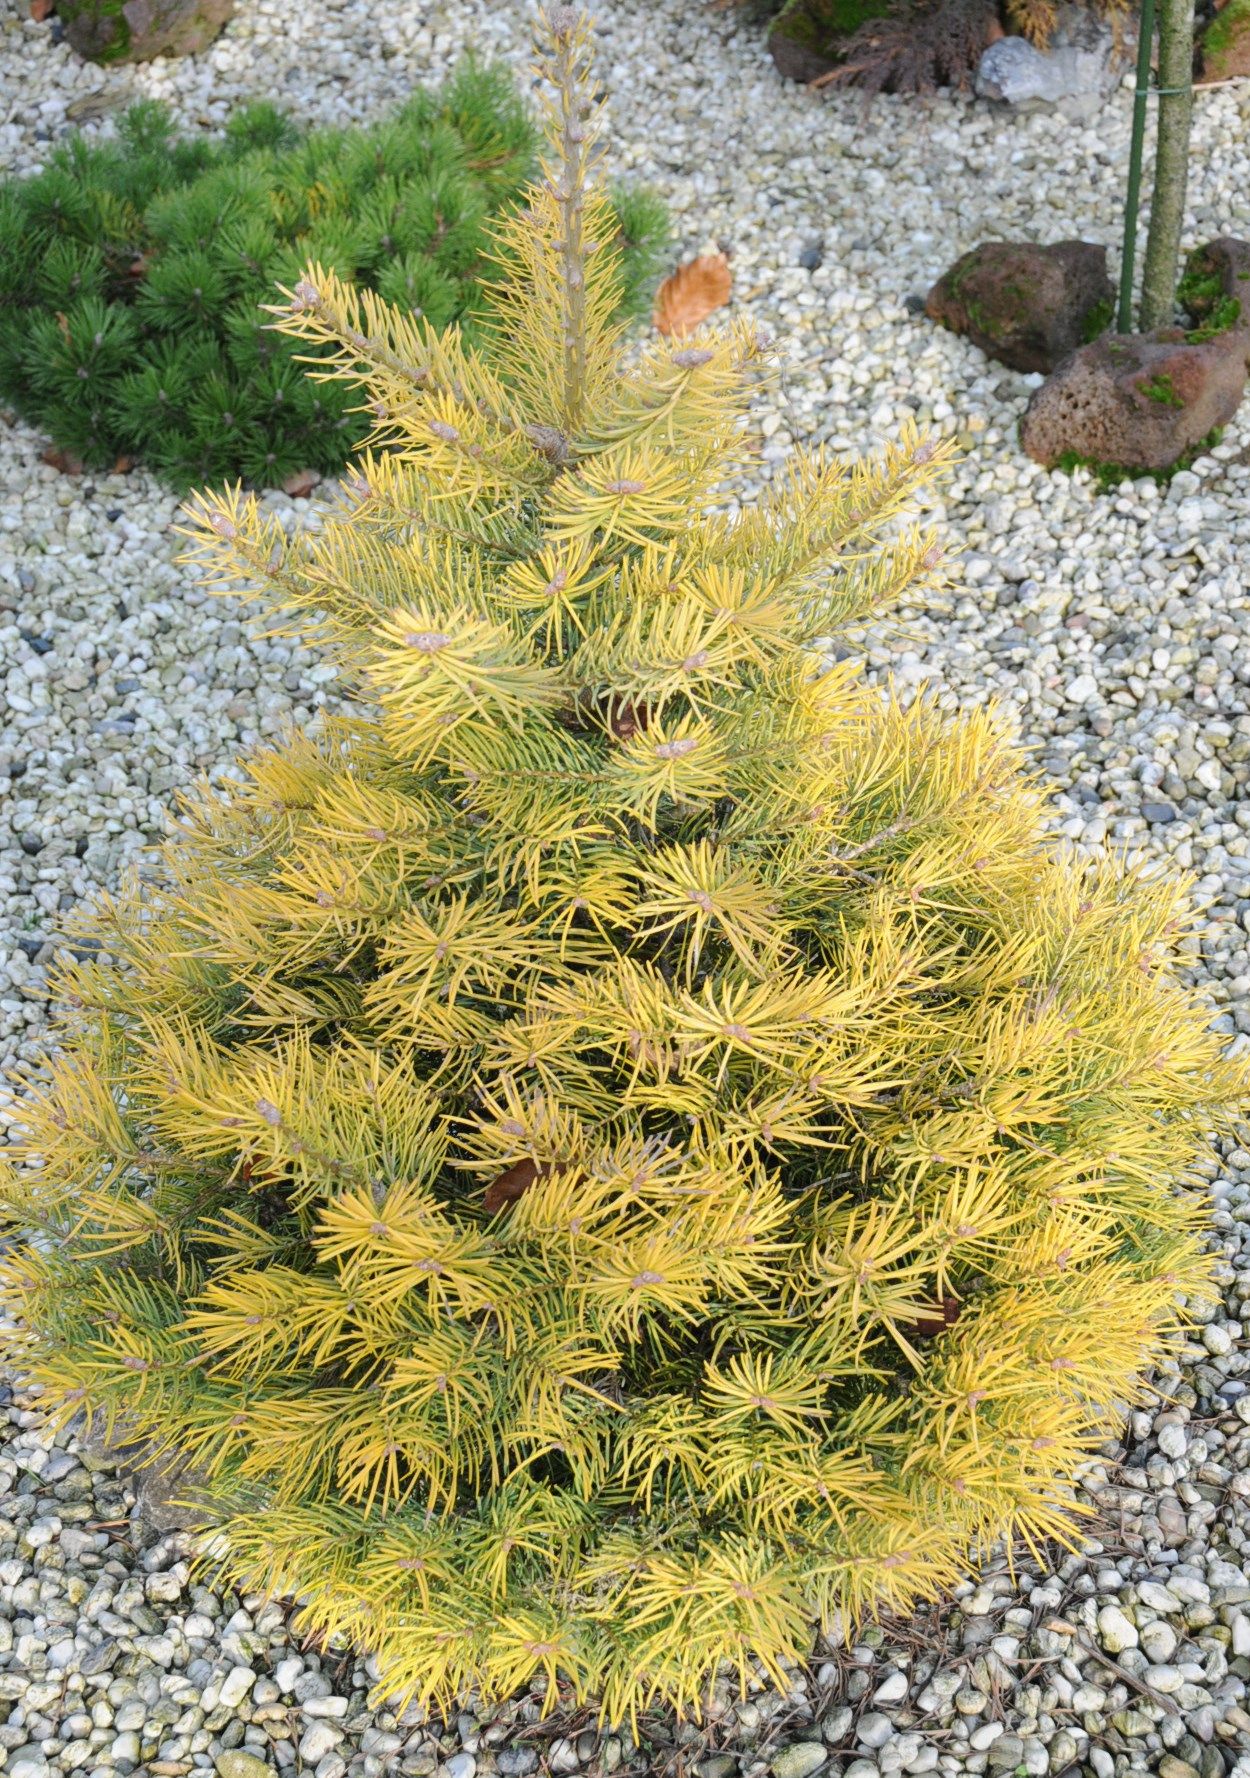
[(1115, 632)]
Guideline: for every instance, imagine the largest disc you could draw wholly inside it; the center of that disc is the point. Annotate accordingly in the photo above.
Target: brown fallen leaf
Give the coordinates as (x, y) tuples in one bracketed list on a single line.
[(301, 484), (252, 1175), (622, 718), (41, 10), (690, 294), (123, 465), (514, 1182), (511, 1184), (927, 1327), (629, 719), (65, 461)]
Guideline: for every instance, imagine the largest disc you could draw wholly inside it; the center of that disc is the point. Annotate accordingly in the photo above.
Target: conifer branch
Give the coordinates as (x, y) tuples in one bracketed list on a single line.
[(567, 69)]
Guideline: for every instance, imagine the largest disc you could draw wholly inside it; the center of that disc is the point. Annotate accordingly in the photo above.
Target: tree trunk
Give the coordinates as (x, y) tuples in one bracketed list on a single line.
[(1167, 209)]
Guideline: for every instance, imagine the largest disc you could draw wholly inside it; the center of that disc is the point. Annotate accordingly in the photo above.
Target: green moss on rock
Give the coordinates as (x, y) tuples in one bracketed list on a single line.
[(1024, 304), (809, 37), (1107, 477), (1225, 315), (823, 24), (1161, 389), (1226, 42), (1097, 320), (1214, 290), (138, 30)]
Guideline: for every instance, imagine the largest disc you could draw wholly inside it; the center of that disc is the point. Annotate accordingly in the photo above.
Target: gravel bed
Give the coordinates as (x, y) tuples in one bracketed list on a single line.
[(1115, 633)]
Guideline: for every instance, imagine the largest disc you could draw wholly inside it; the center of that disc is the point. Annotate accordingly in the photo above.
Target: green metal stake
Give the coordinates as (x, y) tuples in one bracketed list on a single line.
[(1124, 320)]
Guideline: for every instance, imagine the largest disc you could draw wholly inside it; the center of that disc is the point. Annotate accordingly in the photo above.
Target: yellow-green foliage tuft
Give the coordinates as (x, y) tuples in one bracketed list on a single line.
[(636, 1143)]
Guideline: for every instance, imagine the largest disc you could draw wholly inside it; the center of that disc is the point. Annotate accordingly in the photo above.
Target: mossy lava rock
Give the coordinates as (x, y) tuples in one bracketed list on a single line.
[(808, 38), (1027, 306), (1224, 53), (1137, 402), (1215, 288), (139, 30)]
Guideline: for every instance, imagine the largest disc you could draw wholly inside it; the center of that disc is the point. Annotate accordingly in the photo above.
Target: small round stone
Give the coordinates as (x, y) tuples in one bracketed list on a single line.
[(799, 1760), (240, 1764), (1172, 1440)]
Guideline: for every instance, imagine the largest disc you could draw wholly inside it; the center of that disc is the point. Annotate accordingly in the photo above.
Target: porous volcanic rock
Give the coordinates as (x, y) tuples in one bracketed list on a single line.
[(1216, 271), (1025, 305), (1224, 51), (1137, 401), (808, 37), (139, 30)]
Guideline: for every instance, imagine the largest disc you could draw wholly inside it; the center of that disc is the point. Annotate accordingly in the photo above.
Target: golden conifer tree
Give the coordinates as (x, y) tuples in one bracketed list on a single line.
[(635, 1142)]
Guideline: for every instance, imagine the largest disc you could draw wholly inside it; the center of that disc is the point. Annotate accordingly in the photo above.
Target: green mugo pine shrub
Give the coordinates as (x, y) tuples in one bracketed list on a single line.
[(133, 273), (636, 1143)]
